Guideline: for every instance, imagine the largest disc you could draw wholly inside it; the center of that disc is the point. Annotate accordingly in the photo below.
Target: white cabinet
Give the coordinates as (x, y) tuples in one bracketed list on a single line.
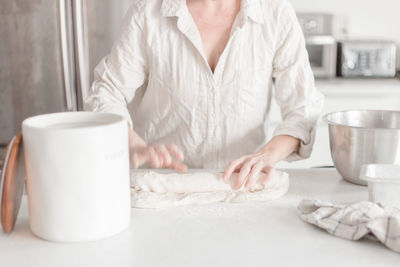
[(342, 94)]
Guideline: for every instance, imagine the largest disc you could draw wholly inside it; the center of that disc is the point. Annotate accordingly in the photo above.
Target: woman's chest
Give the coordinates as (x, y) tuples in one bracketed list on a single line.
[(214, 41), (175, 55), (180, 75)]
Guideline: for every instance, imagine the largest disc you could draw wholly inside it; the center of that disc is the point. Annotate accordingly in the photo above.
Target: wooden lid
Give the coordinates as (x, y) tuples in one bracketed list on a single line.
[(12, 183)]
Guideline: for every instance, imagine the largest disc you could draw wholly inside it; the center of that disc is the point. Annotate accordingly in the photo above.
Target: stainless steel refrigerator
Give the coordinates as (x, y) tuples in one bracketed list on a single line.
[(48, 50)]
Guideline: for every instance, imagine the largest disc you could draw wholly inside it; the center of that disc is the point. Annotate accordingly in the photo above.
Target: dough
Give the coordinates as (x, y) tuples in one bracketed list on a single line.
[(152, 189)]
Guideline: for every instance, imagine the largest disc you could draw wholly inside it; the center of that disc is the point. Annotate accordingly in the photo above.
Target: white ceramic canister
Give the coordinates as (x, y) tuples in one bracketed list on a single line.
[(77, 167)]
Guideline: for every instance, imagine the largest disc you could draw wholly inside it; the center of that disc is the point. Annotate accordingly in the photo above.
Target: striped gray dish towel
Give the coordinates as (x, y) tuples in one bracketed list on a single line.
[(355, 221)]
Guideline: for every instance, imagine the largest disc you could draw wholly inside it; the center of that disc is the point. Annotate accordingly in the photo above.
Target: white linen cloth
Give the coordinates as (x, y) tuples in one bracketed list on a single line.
[(355, 221), (214, 117)]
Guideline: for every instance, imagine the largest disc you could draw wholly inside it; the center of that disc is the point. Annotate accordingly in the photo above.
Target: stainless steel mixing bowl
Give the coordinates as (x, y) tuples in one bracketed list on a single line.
[(359, 137)]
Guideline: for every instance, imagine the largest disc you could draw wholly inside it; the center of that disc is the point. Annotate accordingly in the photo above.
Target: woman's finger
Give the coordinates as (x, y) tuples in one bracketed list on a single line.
[(179, 166), (175, 151), (154, 158), (244, 172), (238, 167), (269, 172), (138, 157), (134, 160), (252, 177), (232, 166), (164, 154)]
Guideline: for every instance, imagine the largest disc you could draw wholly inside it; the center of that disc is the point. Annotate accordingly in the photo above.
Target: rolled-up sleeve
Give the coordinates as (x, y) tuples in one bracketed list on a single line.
[(121, 73), (300, 102)]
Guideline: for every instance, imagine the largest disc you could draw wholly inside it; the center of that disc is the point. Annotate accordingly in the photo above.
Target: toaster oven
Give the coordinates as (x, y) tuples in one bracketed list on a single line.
[(362, 58)]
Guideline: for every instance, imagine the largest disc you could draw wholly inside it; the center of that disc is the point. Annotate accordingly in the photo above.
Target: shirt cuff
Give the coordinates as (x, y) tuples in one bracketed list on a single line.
[(299, 130)]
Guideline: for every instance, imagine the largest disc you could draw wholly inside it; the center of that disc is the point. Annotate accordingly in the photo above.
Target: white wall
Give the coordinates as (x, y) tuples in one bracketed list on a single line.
[(359, 18)]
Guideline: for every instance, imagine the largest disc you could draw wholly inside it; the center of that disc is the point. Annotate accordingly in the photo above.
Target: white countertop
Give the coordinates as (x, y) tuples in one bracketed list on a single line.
[(363, 87), (269, 234)]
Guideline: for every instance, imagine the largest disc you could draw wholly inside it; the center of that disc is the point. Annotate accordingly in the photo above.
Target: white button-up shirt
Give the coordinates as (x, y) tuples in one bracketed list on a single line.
[(214, 117)]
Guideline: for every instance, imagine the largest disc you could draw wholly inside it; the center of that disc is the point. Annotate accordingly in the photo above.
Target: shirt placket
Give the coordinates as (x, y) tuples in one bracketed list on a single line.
[(214, 136), (217, 82)]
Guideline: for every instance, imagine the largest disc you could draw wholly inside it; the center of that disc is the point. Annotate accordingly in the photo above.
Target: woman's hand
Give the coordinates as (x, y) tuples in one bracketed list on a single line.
[(157, 155), (250, 166)]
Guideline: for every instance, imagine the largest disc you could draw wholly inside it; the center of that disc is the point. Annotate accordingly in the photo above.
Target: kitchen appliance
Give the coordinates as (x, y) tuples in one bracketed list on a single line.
[(315, 23), (366, 58), (359, 137), (48, 50), (78, 180), (383, 183), (322, 54), (321, 45)]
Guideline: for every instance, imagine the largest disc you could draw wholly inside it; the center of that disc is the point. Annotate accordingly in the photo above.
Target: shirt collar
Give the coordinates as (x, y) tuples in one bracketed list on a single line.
[(251, 9), (171, 8)]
